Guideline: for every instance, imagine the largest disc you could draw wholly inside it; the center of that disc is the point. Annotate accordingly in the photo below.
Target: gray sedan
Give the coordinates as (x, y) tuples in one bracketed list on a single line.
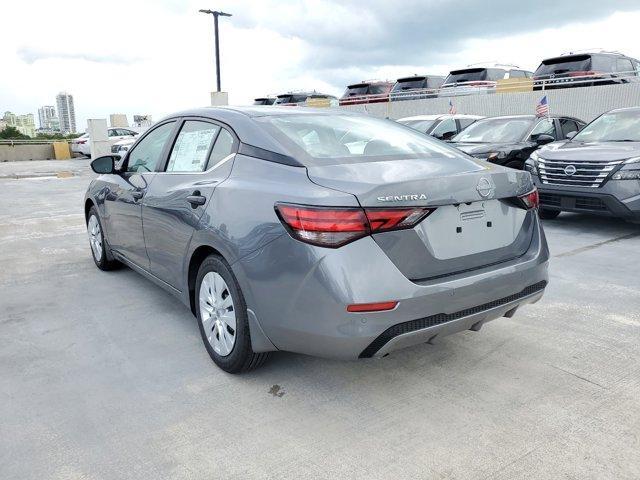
[(315, 231)]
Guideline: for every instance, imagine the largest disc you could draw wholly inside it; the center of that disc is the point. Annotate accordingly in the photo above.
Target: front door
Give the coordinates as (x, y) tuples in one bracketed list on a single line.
[(123, 203), (201, 157)]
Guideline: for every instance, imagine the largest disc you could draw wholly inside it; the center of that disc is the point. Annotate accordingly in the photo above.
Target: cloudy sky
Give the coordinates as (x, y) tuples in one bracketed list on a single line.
[(155, 57)]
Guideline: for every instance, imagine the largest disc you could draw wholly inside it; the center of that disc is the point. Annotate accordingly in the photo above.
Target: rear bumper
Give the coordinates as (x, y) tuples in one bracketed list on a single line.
[(614, 199), (299, 294)]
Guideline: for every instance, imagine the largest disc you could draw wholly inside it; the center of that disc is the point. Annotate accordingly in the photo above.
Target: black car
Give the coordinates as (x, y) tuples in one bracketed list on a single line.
[(264, 101), (371, 91), (418, 86), (586, 70), (509, 140), (303, 98)]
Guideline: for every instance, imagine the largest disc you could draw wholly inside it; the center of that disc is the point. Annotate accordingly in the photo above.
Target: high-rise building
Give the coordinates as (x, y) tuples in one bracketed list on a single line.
[(66, 112), (47, 118), (142, 121), (25, 124), (118, 120)]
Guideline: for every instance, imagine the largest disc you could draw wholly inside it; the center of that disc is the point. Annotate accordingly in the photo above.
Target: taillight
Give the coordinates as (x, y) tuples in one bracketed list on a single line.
[(531, 199), (336, 226)]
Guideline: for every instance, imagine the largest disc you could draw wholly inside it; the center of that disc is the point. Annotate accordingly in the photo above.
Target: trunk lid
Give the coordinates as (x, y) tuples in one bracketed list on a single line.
[(474, 225)]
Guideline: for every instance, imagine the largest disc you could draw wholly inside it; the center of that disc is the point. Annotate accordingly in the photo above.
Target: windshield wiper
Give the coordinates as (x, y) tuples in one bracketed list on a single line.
[(623, 140)]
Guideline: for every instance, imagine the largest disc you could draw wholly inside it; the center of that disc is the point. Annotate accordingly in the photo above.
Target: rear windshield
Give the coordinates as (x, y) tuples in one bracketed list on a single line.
[(356, 90), (574, 63), (621, 126), (420, 125), (498, 130), (418, 82), (290, 99), (334, 139), (475, 75)]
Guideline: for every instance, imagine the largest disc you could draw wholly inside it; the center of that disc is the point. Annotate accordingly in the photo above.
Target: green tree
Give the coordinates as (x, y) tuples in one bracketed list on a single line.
[(12, 133)]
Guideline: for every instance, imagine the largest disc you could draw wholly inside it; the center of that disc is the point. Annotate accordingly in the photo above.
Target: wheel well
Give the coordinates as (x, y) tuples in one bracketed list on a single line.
[(87, 206), (197, 258)]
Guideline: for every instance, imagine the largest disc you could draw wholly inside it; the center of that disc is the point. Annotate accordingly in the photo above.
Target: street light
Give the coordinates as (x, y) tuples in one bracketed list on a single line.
[(215, 23)]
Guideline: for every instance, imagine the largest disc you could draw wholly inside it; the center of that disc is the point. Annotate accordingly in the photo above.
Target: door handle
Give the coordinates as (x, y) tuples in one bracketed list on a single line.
[(137, 194), (195, 199)]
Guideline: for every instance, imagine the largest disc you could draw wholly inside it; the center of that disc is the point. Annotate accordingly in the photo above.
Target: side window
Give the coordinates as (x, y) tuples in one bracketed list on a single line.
[(567, 126), (146, 155), (189, 153), (623, 66), (445, 129), (222, 148), (113, 132), (544, 127)]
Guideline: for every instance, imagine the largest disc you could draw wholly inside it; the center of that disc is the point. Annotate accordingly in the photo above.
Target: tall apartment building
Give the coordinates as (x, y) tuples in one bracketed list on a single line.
[(25, 124), (66, 112), (47, 118), (118, 120)]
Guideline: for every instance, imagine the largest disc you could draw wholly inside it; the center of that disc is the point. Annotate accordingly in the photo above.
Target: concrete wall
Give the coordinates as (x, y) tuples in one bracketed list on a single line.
[(585, 103), (13, 153)]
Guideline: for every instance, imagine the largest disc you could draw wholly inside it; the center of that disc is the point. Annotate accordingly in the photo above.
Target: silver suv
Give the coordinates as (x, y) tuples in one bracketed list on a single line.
[(597, 171)]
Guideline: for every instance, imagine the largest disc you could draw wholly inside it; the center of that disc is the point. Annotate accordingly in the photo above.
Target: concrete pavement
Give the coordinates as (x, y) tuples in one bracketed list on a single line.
[(103, 375)]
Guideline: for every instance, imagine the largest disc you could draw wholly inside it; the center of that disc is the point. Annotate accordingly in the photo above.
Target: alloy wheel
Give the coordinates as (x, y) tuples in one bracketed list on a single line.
[(217, 313), (95, 237)]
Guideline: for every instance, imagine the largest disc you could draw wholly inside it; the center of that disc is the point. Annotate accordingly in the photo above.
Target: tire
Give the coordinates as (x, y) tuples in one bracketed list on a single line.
[(547, 214), (222, 318), (100, 251), (515, 165)]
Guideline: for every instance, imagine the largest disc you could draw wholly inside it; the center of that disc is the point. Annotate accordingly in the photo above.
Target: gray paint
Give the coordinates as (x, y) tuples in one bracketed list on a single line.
[(298, 293)]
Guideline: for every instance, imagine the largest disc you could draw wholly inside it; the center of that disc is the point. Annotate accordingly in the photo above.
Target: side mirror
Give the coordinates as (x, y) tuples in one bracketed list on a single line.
[(570, 135), (543, 139), (104, 165)]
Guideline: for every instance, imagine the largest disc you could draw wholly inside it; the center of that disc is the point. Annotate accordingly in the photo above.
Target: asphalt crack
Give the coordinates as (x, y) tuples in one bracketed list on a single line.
[(597, 245)]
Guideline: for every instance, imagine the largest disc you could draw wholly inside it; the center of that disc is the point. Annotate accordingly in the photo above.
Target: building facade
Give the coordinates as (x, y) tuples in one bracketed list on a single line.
[(66, 112), (47, 119), (25, 124)]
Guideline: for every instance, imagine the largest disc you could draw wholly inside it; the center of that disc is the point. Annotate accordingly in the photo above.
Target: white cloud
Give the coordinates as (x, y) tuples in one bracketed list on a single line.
[(157, 57)]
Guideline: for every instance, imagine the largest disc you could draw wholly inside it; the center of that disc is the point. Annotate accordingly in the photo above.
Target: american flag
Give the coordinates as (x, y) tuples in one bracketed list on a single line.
[(542, 108), (452, 108)]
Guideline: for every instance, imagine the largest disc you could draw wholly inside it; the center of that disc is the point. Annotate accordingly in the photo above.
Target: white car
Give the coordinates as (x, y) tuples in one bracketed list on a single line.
[(442, 127), (82, 144)]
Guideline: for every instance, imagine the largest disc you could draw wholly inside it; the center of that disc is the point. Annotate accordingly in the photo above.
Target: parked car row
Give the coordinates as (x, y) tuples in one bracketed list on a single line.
[(299, 98), (568, 70), (577, 167), (82, 144)]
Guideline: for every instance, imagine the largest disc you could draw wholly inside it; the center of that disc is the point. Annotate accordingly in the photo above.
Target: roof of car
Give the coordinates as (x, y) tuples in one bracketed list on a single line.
[(442, 115), (241, 120), (625, 109)]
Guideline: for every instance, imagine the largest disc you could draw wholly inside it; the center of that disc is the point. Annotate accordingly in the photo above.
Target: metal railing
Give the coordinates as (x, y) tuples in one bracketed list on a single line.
[(31, 142)]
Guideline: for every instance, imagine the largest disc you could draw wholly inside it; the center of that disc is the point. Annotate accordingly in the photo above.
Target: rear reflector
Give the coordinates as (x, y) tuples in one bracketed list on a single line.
[(371, 307), (336, 226)]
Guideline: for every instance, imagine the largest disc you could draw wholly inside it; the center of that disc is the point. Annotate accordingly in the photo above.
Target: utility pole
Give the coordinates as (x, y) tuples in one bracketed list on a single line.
[(216, 14)]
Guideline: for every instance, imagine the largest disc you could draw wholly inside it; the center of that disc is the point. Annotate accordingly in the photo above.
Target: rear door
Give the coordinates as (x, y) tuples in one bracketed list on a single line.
[(200, 158), (123, 205)]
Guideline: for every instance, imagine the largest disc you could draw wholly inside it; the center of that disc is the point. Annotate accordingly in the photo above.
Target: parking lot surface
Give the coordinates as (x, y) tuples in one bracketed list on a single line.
[(103, 375)]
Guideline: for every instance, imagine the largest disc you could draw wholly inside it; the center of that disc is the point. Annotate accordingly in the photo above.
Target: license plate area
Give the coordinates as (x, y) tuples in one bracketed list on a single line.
[(469, 228)]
